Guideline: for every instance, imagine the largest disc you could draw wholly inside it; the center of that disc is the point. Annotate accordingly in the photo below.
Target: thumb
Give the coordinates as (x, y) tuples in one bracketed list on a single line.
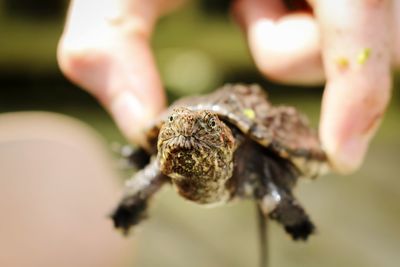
[(106, 51), (357, 63)]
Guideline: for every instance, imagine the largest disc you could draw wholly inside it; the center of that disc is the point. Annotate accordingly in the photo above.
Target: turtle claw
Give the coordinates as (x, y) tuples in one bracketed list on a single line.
[(301, 231), (125, 216)]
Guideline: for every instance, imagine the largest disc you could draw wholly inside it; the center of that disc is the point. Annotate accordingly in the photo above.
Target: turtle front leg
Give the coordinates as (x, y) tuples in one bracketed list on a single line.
[(131, 157), (283, 207), (138, 189)]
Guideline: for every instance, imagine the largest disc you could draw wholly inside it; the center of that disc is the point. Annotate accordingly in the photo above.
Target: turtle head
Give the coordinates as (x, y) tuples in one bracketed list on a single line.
[(195, 149)]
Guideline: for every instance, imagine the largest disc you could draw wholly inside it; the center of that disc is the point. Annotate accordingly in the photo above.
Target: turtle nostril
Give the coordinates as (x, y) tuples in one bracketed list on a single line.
[(187, 131), (186, 126)]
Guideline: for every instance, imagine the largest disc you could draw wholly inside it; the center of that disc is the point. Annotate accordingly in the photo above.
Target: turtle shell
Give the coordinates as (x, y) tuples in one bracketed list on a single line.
[(282, 129)]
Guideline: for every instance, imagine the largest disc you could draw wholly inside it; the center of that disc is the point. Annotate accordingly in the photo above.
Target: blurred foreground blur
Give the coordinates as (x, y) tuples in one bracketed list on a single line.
[(57, 183), (56, 189)]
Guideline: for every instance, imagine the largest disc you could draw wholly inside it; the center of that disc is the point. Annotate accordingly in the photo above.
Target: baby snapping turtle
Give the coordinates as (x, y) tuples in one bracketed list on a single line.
[(230, 144)]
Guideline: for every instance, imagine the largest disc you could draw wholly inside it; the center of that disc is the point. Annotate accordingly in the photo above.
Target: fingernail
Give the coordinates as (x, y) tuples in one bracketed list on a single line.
[(131, 116)]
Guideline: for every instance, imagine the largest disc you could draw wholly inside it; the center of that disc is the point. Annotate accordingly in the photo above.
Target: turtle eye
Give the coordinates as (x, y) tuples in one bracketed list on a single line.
[(212, 123)]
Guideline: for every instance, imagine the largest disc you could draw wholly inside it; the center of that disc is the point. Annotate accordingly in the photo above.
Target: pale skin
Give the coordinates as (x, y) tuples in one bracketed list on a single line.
[(353, 45)]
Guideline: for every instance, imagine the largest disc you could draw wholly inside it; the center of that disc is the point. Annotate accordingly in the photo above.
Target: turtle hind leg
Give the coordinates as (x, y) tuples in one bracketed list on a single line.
[(293, 217), (301, 231), (277, 200)]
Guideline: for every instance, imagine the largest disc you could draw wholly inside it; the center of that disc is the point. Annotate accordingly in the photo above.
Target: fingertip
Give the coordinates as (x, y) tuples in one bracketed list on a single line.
[(285, 46), (352, 111), (347, 158), (344, 157), (288, 50)]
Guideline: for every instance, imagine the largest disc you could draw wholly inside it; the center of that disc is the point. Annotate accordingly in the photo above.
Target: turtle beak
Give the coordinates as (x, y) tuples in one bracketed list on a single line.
[(180, 142)]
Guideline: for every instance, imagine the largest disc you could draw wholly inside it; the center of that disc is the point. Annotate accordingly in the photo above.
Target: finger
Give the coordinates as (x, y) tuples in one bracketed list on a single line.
[(106, 51), (285, 46), (356, 54)]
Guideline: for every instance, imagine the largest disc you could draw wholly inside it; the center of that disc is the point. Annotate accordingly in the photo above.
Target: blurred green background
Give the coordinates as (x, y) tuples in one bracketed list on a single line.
[(199, 48)]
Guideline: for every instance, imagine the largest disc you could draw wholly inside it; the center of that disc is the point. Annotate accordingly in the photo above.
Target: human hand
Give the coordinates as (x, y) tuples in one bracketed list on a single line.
[(351, 43), (106, 51)]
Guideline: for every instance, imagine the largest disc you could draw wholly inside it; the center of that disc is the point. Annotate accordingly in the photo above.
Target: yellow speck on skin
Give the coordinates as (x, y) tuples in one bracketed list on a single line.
[(249, 113), (363, 56), (342, 62)]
